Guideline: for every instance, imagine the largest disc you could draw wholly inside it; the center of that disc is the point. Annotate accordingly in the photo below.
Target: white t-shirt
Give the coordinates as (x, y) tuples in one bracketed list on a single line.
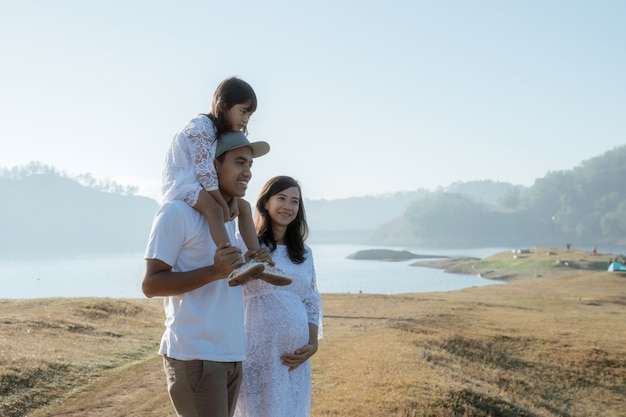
[(206, 323)]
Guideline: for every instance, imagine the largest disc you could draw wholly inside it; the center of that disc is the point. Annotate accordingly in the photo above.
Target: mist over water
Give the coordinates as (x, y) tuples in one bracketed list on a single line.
[(119, 276)]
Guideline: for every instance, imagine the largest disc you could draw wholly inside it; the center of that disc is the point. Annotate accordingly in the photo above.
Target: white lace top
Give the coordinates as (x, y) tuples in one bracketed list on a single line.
[(276, 322), (189, 162)]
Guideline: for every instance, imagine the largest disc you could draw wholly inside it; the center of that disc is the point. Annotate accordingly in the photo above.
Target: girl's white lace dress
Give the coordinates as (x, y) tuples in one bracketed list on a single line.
[(276, 322), (189, 162)]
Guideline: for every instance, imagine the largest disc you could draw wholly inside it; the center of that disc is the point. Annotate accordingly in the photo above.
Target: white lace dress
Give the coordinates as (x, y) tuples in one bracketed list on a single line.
[(276, 322), (189, 162)]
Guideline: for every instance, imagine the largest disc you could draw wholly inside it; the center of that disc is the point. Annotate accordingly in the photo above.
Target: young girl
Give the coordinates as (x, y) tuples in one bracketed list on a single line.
[(283, 324), (189, 175)]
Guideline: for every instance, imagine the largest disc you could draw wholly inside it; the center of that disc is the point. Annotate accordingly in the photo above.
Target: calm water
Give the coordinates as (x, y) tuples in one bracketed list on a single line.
[(336, 274), (119, 276)]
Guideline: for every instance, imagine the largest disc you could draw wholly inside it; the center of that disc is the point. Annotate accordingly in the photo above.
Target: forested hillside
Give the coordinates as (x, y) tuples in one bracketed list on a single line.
[(46, 214), (582, 206), (368, 213)]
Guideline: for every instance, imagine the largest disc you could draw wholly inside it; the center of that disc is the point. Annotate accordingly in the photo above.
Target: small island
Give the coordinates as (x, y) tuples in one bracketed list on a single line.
[(389, 255)]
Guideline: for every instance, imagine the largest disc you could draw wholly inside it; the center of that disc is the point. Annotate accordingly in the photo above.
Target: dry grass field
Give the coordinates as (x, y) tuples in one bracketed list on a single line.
[(551, 342)]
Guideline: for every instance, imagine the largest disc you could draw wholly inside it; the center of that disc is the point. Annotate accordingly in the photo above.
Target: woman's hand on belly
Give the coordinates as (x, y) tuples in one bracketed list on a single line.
[(293, 360)]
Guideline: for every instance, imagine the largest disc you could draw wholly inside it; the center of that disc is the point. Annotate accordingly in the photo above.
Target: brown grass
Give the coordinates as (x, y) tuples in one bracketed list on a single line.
[(53, 349), (552, 345)]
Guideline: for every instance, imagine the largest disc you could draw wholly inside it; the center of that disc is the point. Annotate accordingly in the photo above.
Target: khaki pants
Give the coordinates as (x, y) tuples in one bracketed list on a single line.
[(203, 388)]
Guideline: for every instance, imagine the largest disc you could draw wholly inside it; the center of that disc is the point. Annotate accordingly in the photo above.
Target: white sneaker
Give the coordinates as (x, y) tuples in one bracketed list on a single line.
[(274, 276), (245, 273)]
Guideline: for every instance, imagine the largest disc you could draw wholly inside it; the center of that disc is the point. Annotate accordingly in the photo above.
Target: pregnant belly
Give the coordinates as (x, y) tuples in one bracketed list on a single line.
[(280, 322)]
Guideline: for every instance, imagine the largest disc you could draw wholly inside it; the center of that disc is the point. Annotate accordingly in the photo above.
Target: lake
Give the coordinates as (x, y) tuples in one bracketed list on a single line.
[(119, 276)]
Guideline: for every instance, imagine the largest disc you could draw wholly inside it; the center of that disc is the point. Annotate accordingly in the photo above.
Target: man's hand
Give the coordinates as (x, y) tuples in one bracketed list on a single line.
[(226, 259)]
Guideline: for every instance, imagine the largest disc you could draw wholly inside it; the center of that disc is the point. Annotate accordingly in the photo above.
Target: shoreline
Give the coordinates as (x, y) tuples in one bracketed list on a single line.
[(502, 266), (497, 348)]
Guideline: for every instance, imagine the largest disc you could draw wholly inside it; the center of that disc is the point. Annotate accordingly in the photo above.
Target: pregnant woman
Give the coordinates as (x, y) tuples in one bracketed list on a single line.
[(283, 324)]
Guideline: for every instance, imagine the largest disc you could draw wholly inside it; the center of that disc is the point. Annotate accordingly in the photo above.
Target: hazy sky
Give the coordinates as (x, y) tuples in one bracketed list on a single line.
[(355, 97)]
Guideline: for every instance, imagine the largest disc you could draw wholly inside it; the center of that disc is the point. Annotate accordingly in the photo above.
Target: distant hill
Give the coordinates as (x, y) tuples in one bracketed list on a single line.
[(370, 212), (585, 206), (47, 215), (358, 213)]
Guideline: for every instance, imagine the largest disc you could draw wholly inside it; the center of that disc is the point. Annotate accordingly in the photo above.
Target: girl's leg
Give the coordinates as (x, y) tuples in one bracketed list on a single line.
[(214, 213), (246, 225)]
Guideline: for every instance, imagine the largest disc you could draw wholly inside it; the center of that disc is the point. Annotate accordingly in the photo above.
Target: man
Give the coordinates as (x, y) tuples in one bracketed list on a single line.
[(203, 343)]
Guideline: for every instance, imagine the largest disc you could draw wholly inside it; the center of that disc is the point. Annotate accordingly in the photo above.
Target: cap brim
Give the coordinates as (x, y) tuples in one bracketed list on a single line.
[(259, 148)]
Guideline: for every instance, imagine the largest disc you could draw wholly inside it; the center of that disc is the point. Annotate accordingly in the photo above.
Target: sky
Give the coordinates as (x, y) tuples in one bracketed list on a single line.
[(355, 97)]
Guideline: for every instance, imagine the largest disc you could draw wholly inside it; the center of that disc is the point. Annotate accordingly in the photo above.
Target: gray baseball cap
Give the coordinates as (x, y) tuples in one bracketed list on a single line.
[(233, 140)]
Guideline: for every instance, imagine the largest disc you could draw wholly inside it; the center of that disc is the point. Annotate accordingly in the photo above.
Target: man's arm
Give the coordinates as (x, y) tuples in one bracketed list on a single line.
[(159, 280)]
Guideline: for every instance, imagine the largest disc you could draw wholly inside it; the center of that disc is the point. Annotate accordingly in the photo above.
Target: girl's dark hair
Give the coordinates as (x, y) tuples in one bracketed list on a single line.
[(297, 230), (230, 92)]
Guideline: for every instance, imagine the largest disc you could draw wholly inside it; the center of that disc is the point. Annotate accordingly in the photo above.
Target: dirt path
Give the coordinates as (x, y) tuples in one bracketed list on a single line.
[(136, 391)]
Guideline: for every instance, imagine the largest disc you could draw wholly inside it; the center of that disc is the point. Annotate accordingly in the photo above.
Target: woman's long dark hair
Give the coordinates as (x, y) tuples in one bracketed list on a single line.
[(230, 92), (297, 231)]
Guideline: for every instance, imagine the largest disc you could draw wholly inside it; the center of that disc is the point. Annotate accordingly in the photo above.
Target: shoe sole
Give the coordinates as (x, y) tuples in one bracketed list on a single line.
[(246, 276), (275, 279)]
